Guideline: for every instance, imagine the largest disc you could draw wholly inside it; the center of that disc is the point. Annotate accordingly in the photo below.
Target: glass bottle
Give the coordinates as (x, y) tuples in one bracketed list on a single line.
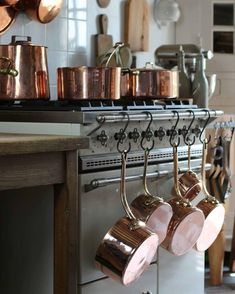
[(200, 84), (185, 88)]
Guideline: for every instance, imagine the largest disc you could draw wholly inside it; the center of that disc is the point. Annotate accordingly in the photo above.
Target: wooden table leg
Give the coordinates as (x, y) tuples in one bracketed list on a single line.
[(65, 228), (216, 260)]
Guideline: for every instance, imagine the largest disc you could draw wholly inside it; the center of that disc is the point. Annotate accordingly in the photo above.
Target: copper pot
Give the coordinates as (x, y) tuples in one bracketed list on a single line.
[(186, 223), (43, 11), (129, 246), (213, 210), (150, 82), (30, 62), (155, 212), (76, 83), (189, 183)]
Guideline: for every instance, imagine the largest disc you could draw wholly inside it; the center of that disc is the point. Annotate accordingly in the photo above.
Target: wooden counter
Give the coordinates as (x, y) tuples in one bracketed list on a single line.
[(34, 160)]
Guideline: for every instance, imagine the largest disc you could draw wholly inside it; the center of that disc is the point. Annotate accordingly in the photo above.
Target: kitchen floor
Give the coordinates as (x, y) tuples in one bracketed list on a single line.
[(228, 286)]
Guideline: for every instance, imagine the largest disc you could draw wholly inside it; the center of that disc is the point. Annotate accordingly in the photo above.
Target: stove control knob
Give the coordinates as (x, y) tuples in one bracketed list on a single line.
[(160, 133), (134, 135), (172, 133), (196, 131), (147, 292), (121, 135), (102, 138)]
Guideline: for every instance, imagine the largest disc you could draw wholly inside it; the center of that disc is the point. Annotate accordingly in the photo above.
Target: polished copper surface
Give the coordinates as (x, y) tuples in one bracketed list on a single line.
[(184, 229), (189, 185), (125, 253), (77, 83), (156, 214), (32, 81), (150, 83), (43, 11), (7, 18), (214, 219)]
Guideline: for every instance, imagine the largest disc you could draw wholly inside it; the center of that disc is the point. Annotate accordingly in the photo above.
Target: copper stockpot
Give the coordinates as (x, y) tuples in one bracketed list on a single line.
[(213, 210), (30, 62), (186, 223), (150, 82), (76, 83), (129, 246), (155, 212)]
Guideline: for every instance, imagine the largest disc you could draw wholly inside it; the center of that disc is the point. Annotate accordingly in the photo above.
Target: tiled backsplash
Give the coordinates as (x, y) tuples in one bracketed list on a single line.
[(70, 36)]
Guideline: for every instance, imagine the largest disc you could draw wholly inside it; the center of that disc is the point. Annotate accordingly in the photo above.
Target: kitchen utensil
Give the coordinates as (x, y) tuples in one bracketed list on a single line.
[(213, 210), (129, 246), (104, 42), (155, 212), (103, 3), (186, 223), (43, 11), (189, 183), (7, 18), (149, 82), (76, 83), (30, 61), (137, 25), (211, 79)]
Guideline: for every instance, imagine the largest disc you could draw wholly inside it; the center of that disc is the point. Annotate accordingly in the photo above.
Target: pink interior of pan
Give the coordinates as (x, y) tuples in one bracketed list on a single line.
[(187, 233), (159, 220), (212, 226), (140, 259)]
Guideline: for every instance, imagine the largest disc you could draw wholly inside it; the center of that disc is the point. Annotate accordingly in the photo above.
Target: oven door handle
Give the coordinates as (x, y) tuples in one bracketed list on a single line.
[(102, 182)]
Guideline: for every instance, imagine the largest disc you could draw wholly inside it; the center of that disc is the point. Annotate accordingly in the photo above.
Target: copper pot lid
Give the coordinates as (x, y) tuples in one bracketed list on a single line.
[(7, 17)]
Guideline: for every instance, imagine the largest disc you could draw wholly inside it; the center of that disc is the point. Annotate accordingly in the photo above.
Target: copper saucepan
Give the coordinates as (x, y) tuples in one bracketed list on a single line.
[(213, 210), (129, 246), (186, 223), (155, 212), (149, 82), (7, 17), (43, 11), (189, 183)]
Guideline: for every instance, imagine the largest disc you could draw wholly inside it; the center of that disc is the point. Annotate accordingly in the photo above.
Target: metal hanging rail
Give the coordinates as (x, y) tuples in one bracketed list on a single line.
[(159, 115)]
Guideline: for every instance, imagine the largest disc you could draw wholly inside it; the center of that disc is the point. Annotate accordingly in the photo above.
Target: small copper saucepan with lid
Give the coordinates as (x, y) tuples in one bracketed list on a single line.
[(155, 212), (187, 221), (129, 246)]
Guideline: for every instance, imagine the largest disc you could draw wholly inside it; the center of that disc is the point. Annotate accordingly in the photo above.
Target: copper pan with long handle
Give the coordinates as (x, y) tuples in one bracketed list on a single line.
[(213, 210), (129, 246), (155, 212), (187, 221)]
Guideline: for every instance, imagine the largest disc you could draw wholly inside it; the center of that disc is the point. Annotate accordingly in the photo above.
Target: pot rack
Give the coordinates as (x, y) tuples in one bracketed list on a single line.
[(102, 182)]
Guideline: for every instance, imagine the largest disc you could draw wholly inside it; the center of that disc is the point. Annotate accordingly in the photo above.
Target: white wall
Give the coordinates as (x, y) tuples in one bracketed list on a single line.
[(70, 36)]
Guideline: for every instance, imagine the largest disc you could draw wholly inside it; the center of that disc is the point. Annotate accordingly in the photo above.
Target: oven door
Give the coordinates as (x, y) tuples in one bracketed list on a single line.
[(100, 206)]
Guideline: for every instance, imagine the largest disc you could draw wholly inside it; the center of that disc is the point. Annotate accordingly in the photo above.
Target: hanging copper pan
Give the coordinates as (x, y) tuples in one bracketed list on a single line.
[(129, 246), (7, 18), (155, 212), (213, 210), (43, 11), (187, 221)]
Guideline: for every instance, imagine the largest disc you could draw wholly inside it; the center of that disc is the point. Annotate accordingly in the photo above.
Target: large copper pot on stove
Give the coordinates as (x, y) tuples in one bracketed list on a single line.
[(150, 82), (23, 71)]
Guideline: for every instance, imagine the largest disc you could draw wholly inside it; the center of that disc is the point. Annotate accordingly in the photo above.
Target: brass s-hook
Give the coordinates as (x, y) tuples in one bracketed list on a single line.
[(147, 131), (206, 141), (187, 140), (174, 144), (122, 132)]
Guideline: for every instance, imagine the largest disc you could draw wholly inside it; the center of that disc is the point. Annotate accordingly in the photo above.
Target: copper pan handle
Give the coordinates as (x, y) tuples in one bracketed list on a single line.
[(146, 190), (123, 188), (9, 70)]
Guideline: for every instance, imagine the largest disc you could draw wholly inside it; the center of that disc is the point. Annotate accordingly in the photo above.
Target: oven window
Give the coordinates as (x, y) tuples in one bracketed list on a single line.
[(223, 42), (223, 14)]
